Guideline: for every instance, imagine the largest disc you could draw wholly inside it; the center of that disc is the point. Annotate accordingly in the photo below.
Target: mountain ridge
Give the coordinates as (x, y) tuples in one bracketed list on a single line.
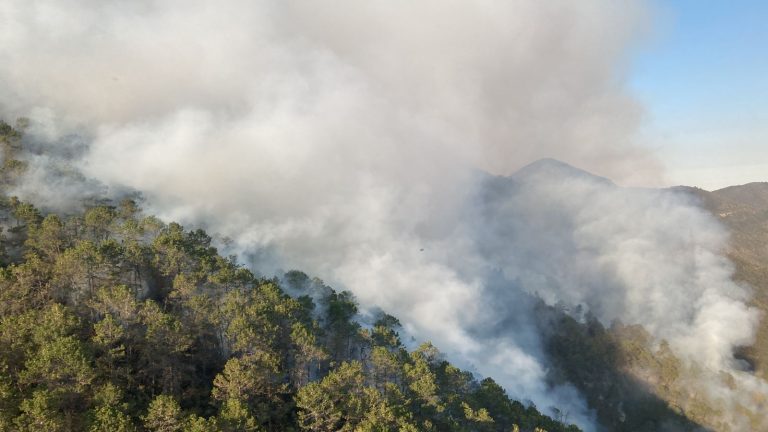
[(549, 167)]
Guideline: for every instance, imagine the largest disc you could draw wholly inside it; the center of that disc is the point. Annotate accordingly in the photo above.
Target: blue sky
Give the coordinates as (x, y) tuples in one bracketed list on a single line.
[(703, 78)]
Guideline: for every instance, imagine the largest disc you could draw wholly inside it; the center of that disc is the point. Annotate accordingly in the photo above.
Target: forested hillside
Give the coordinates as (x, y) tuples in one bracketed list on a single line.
[(636, 384), (113, 320), (630, 374), (744, 211)]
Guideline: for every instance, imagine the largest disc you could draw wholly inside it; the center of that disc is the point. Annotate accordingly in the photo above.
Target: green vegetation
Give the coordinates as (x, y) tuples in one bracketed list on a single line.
[(744, 211), (111, 320), (637, 385)]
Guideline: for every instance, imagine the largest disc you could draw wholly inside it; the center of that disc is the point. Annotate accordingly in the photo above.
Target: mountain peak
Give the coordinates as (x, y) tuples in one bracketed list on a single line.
[(548, 168)]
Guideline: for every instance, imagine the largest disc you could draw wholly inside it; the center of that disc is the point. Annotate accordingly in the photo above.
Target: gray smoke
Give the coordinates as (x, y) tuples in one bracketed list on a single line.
[(640, 256), (342, 138)]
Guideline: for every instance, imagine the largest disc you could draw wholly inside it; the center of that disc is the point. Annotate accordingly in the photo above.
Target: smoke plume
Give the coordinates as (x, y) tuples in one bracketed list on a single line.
[(345, 139)]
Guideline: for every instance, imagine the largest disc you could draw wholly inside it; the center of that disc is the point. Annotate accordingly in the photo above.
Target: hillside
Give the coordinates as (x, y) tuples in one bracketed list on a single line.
[(113, 320), (744, 211), (555, 215)]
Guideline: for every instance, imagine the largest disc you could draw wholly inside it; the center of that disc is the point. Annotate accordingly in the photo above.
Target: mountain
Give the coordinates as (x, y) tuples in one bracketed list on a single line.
[(112, 320), (744, 211), (547, 169), (633, 259)]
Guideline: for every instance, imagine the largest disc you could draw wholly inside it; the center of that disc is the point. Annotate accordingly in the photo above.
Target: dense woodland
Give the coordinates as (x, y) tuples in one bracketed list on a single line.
[(112, 320)]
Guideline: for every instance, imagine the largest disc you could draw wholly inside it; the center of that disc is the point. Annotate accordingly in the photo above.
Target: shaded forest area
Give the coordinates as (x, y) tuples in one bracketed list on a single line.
[(112, 320)]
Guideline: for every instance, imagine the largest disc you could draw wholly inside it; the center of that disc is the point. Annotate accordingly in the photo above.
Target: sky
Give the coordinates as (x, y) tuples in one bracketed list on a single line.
[(703, 80)]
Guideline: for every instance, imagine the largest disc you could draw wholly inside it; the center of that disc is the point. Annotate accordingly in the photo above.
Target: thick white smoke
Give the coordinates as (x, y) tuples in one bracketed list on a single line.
[(641, 256), (341, 138)]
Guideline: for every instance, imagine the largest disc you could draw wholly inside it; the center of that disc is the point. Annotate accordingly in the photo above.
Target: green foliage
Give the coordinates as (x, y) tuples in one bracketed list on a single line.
[(26, 214), (42, 411), (98, 220), (59, 364), (235, 416), (109, 419), (12, 168), (336, 403), (606, 363), (7, 398), (48, 240), (111, 320), (421, 379), (109, 412), (164, 415), (200, 424)]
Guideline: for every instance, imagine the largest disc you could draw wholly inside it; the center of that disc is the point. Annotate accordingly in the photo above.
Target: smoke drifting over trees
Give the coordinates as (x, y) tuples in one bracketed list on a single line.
[(348, 139)]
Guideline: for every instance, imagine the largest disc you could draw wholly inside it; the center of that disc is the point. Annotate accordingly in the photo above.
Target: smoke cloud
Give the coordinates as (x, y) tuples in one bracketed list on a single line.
[(640, 256), (346, 138)]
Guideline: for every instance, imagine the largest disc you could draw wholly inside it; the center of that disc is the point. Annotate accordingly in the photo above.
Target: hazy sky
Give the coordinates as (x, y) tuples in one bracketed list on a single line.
[(703, 79)]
